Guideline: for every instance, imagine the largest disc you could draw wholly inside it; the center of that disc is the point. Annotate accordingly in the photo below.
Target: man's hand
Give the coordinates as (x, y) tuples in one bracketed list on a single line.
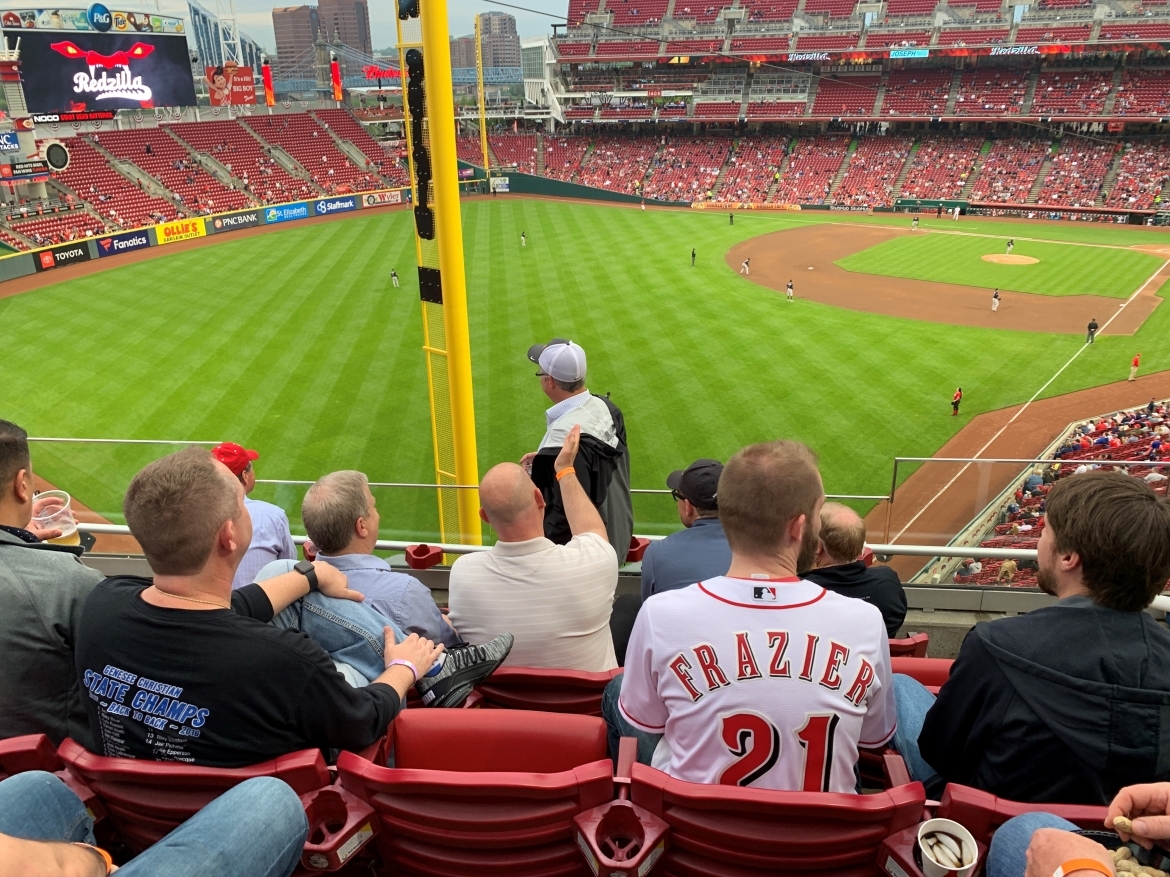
[(422, 653), (310, 550), (526, 461), (38, 507), (1050, 848), (43, 535), (332, 583), (1148, 806), (568, 452)]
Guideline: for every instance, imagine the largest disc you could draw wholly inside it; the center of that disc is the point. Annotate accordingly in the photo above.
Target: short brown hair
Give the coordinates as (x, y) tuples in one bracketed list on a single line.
[(1120, 529), (176, 505), (13, 450), (332, 506), (762, 488), (842, 531)]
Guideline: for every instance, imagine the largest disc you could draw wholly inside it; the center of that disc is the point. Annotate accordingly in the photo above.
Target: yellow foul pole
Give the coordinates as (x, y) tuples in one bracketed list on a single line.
[(483, 141)]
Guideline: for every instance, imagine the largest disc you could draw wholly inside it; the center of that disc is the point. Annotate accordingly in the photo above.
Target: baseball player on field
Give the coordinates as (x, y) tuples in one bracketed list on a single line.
[(746, 267), (788, 290), (758, 677), (995, 300)]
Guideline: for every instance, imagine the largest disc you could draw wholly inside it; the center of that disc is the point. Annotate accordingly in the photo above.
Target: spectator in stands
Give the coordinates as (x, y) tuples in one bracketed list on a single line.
[(700, 550), (1025, 715), (603, 464), (256, 829), (271, 536), (42, 588), (182, 667), (706, 669), (555, 599), (1007, 572), (341, 518), (838, 566)]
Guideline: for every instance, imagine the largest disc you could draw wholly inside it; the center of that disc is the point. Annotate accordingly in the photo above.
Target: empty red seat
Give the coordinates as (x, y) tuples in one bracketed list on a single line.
[(554, 691), (931, 672), (29, 752), (912, 646), (981, 813), (483, 792), (726, 830)]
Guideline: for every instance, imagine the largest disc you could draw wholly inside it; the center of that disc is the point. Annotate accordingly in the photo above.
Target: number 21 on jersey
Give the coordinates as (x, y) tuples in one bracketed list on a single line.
[(757, 744)]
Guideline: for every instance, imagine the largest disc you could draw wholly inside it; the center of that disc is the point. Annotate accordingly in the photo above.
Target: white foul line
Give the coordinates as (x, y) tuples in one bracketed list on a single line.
[(1024, 407)]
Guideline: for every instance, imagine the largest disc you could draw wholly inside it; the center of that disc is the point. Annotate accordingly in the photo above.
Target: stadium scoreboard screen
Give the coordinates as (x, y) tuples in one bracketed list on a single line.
[(100, 60)]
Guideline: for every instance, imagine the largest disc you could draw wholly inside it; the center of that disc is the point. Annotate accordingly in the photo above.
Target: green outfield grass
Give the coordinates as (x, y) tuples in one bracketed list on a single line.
[(295, 343), (1063, 269)]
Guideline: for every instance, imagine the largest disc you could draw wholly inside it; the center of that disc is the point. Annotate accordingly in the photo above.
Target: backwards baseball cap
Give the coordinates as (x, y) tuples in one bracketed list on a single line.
[(559, 359), (234, 456), (698, 483)]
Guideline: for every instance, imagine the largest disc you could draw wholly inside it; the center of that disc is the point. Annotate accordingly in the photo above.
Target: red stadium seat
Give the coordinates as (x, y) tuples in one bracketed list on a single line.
[(553, 691), (931, 672), (912, 646), (725, 830), (30, 752), (484, 792), (981, 813)]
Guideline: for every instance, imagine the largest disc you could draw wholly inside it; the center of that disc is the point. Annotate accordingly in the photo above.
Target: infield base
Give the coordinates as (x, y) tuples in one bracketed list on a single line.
[(1004, 259)]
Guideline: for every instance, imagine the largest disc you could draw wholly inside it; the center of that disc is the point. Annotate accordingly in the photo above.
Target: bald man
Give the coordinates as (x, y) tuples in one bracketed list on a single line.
[(838, 568), (554, 599)]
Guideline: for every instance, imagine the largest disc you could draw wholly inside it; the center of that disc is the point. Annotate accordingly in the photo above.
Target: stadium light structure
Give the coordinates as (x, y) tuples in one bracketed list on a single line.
[(429, 123)]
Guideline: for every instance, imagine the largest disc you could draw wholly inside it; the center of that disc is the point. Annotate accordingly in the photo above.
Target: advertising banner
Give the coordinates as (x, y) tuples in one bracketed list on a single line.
[(230, 84), (116, 244), (45, 260), (233, 221), (24, 170), (326, 206), (287, 212), (376, 199), (499, 184), (180, 230), (66, 254), (95, 17), (85, 71), (8, 142)]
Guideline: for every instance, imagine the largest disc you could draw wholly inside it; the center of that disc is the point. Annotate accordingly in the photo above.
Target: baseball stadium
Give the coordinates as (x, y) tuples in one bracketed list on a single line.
[(735, 449)]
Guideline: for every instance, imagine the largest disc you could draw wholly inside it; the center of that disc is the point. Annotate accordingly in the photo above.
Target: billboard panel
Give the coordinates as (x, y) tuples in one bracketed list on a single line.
[(375, 199), (126, 242), (233, 221), (286, 212), (335, 205), (84, 71), (230, 84), (180, 230)]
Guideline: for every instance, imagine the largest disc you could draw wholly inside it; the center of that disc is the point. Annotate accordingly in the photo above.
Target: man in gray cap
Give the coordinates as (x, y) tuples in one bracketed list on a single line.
[(603, 461), (698, 552)]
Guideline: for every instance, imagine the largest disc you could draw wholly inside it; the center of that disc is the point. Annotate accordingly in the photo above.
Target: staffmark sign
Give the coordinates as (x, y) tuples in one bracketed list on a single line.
[(334, 205), (180, 230), (117, 244), (233, 221)]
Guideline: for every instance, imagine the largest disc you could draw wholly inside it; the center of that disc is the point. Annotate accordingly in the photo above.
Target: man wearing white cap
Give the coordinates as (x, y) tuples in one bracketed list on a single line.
[(603, 462)]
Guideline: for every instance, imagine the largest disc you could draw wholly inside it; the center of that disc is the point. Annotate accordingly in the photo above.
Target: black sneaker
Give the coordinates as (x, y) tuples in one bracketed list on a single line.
[(464, 668)]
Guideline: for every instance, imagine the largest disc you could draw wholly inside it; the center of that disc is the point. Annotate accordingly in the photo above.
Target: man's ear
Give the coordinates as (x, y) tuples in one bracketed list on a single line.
[(22, 486), (483, 516), (796, 528), (227, 538), (539, 497)]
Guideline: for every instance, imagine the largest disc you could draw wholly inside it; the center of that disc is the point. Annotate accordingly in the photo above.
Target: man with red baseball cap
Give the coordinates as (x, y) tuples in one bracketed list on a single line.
[(271, 536)]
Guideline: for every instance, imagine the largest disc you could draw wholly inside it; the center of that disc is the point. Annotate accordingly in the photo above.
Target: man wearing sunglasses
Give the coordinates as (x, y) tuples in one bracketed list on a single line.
[(603, 462)]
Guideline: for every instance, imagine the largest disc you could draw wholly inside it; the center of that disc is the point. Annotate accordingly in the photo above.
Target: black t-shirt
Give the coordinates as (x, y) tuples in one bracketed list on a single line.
[(219, 688)]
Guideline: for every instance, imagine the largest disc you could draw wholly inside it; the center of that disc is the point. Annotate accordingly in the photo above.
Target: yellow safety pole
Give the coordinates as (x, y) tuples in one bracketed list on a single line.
[(483, 141), (449, 237)]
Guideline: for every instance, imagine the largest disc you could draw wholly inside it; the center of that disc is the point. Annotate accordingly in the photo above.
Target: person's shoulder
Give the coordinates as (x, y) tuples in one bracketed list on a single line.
[(587, 543)]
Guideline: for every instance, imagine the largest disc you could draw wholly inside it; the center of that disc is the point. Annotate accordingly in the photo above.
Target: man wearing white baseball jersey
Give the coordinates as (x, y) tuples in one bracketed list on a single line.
[(758, 677)]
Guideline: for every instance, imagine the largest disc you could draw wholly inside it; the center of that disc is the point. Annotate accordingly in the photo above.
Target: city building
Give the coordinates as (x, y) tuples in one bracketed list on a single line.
[(463, 51), (349, 20), (296, 30), (501, 43)]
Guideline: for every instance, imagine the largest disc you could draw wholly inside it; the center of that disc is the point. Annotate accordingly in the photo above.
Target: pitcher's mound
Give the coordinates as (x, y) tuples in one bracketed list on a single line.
[(1004, 259)]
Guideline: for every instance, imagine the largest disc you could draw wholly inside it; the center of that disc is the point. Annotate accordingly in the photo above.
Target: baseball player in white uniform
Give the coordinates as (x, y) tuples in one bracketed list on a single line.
[(746, 267), (758, 678)]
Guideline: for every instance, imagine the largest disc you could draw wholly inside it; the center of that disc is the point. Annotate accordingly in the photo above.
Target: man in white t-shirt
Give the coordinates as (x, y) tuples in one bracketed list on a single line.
[(758, 678), (555, 599)]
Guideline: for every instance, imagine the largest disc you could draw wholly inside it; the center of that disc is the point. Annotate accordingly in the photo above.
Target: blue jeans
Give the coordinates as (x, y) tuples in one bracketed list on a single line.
[(256, 829), (1009, 844), (913, 702), (617, 727)]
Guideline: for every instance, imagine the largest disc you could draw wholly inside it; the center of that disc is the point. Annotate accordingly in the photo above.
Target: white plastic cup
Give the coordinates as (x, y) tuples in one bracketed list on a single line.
[(52, 512), (930, 867)]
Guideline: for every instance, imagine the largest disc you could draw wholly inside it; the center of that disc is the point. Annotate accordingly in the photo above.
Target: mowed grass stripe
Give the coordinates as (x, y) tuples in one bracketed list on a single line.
[(1061, 270)]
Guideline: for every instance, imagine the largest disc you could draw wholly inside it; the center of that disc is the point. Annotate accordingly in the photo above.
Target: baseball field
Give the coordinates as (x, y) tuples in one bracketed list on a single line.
[(294, 342)]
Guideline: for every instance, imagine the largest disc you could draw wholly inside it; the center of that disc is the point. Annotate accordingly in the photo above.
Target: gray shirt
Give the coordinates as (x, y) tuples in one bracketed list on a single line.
[(42, 590), (695, 554), (403, 599)]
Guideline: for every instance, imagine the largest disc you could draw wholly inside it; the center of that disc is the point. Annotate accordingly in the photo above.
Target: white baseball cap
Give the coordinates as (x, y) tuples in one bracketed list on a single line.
[(560, 359)]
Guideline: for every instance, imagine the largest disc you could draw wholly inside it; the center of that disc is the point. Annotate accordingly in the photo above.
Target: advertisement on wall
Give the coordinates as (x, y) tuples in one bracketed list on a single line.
[(233, 221), (376, 199), (499, 184), (8, 142), (80, 72), (180, 230), (335, 205), (66, 254), (127, 242), (287, 212), (96, 17), (230, 84)]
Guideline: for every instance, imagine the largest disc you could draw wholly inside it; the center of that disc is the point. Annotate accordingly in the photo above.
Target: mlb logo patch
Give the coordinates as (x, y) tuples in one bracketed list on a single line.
[(764, 593)]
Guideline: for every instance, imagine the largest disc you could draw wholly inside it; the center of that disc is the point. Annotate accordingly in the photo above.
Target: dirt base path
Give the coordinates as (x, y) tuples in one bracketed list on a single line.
[(939, 499), (787, 255)]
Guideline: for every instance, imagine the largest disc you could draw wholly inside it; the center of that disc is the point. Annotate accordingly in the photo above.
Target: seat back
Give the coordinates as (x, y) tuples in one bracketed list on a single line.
[(931, 672), (484, 792), (981, 813), (553, 691), (913, 646), (147, 799), (726, 831), (29, 752)]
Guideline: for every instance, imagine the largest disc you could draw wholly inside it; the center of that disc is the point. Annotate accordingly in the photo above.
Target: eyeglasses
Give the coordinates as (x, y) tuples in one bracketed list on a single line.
[(676, 496), (541, 375)]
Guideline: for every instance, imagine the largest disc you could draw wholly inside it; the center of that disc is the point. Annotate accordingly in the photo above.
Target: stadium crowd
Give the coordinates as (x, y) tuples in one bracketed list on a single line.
[(761, 615)]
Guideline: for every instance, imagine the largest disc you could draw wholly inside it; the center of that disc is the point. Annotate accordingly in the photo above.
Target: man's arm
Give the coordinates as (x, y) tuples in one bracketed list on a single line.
[(648, 572), (33, 858), (285, 589), (579, 510)]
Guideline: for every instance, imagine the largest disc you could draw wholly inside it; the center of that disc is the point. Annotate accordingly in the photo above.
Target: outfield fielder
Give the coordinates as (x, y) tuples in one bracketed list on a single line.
[(745, 268), (394, 278), (788, 290), (523, 238), (995, 301), (692, 257)]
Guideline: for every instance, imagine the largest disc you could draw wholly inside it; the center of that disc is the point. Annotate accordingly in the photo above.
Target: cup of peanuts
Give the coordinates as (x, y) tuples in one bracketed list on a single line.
[(948, 849)]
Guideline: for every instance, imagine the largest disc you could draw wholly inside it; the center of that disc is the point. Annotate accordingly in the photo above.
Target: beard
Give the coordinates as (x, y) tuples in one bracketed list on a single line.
[(1046, 581), (807, 557)]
